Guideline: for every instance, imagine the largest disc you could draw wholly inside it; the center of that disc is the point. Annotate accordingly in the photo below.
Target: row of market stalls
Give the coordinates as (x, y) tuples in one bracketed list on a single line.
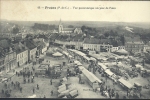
[(81, 56), (90, 78), (67, 54), (125, 84)]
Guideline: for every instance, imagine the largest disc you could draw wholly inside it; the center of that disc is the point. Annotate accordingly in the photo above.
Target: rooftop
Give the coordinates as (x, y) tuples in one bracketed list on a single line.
[(138, 42), (19, 47), (30, 44)]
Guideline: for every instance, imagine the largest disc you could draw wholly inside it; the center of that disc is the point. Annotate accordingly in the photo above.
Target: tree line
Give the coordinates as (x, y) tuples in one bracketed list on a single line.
[(44, 27)]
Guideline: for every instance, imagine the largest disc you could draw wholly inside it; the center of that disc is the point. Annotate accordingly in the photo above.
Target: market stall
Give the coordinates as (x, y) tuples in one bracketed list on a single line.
[(57, 54), (125, 84)]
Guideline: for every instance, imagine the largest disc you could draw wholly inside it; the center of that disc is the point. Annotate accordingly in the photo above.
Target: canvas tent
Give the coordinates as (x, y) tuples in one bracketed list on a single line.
[(57, 54), (64, 79), (78, 63), (65, 53), (90, 77), (97, 79), (125, 83), (138, 66), (79, 53), (108, 72), (69, 56), (87, 58), (62, 89), (122, 52), (61, 86), (92, 58), (102, 66), (81, 68), (73, 93), (66, 92)]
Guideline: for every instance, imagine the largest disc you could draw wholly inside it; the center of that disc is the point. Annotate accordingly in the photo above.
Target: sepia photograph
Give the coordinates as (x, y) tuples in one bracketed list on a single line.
[(75, 49)]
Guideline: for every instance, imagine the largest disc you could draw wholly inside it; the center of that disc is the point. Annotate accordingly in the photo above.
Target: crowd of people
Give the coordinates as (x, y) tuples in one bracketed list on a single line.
[(8, 87)]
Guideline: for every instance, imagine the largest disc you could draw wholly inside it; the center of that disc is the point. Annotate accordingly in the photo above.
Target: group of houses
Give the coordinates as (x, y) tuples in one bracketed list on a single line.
[(17, 53), (103, 45)]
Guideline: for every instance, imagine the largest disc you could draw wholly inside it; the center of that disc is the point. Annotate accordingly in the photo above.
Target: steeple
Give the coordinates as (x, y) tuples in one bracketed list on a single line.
[(60, 27), (60, 22)]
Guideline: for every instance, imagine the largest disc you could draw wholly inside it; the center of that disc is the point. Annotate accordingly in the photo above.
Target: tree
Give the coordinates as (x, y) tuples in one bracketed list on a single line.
[(83, 28), (70, 26), (122, 39), (106, 34), (15, 30)]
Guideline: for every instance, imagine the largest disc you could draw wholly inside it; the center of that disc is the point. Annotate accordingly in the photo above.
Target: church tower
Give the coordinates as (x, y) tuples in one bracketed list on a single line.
[(60, 27)]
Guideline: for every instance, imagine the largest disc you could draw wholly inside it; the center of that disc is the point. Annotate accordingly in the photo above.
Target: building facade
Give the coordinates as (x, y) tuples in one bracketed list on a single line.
[(146, 48), (22, 54), (10, 59), (134, 46), (32, 49), (96, 45), (2, 62)]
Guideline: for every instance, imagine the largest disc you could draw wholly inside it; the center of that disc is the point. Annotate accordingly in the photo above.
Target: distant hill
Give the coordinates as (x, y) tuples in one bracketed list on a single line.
[(87, 23)]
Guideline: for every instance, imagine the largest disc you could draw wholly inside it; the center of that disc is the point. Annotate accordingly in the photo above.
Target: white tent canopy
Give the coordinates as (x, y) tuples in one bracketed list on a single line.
[(109, 72), (62, 89), (122, 51), (87, 58), (78, 63), (90, 76), (61, 86), (69, 56), (104, 67), (57, 54), (138, 66), (126, 83), (74, 92), (81, 68), (65, 53), (92, 58)]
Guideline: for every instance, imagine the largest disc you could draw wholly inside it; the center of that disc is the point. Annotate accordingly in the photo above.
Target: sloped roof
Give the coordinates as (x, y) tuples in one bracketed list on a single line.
[(103, 66), (77, 62), (39, 43), (19, 47), (122, 51), (68, 29), (126, 83), (79, 53), (29, 44), (90, 76), (91, 41), (105, 41), (109, 72), (57, 54), (138, 42), (5, 43), (130, 39)]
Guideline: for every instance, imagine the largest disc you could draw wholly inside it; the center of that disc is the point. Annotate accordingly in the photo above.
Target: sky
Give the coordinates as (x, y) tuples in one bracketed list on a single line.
[(123, 11)]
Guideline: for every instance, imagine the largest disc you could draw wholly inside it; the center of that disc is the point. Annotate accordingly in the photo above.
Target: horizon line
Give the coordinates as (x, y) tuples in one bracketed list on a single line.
[(77, 21)]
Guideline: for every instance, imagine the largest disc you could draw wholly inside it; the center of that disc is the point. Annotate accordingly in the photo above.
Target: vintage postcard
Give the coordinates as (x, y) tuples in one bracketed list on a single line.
[(75, 49)]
